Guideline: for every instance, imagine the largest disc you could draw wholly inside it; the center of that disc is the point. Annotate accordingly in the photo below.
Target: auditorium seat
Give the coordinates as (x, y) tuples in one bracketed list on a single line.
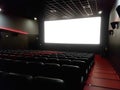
[(5, 64), (83, 65), (72, 68), (52, 60), (13, 81), (51, 70), (39, 59), (34, 68), (53, 56), (47, 83), (64, 61), (61, 56), (72, 76), (18, 67)]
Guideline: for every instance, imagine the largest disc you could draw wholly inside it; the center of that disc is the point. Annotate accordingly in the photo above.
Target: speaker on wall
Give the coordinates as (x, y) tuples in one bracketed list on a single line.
[(115, 25), (118, 10)]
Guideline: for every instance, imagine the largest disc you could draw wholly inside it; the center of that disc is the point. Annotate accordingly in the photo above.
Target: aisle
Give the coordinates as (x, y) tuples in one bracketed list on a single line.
[(102, 76)]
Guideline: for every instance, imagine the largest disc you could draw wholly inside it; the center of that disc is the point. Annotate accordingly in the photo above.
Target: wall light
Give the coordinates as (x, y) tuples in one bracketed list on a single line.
[(0, 9), (100, 12)]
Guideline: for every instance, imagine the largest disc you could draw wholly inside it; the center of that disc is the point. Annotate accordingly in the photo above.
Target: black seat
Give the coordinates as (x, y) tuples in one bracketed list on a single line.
[(83, 65), (88, 60), (51, 70), (72, 76), (13, 81), (47, 83), (64, 61), (39, 59), (52, 60), (34, 68), (18, 67)]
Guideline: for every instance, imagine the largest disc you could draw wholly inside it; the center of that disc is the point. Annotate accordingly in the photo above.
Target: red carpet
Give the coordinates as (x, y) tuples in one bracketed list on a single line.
[(102, 76)]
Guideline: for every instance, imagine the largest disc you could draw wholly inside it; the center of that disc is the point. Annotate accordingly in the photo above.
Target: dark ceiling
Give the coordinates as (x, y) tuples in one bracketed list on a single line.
[(55, 9), (67, 9), (22, 8)]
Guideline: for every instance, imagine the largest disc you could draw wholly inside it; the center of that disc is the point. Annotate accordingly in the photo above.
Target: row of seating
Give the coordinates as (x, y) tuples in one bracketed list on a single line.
[(71, 67), (51, 58), (14, 81), (7, 64), (71, 74), (52, 54)]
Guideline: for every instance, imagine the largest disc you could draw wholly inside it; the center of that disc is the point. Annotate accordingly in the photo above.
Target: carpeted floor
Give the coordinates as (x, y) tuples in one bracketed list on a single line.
[(102, 76)]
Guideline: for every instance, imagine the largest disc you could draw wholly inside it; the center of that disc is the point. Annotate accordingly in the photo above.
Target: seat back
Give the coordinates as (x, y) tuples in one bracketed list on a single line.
[(46, 83)]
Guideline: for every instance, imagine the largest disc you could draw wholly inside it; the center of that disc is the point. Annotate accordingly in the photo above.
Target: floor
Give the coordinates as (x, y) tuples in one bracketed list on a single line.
[(102, 76)]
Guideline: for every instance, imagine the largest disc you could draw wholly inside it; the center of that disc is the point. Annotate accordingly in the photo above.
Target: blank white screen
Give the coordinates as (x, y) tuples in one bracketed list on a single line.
[(73, 31)]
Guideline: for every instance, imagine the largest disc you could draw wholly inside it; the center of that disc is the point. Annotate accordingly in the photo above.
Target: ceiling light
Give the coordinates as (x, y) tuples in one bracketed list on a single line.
[(88, 6), (84, 7), (65, 16), (52, 11), (100, 12), (35, 18), (88, 14)]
